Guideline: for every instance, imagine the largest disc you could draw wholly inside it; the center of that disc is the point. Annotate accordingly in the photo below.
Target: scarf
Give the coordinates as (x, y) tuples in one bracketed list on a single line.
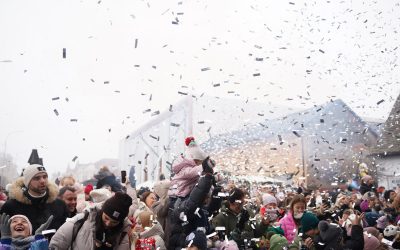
[(22, 243)]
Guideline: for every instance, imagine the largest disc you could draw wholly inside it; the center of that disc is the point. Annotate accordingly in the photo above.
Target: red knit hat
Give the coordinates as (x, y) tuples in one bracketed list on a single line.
[(88, 188)]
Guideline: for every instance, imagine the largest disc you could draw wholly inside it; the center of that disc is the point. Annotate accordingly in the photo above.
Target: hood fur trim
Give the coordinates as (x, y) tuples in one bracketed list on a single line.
[(17, 193)]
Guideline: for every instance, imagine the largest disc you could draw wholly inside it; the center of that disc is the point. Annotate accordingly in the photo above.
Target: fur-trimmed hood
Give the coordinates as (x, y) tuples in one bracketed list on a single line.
[(17, 193)]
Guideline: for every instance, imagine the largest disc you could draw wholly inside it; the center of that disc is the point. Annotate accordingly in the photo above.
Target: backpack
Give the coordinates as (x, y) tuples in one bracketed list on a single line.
[(77, 226)]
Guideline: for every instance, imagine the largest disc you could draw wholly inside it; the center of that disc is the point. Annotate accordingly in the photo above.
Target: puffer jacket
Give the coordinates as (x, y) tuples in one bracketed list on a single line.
[(289, 227), (38, 210), (186, 176), (85, 237)]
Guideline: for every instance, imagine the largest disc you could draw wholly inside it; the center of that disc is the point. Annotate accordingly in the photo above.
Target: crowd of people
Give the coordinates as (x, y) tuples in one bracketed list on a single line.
[(196, 208)]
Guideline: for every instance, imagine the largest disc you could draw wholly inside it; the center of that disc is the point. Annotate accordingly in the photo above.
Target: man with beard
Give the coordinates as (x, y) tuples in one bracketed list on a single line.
[(35, 197)]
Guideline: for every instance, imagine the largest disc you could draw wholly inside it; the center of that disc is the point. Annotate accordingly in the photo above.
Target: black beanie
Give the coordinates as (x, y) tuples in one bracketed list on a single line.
[(117, 207)]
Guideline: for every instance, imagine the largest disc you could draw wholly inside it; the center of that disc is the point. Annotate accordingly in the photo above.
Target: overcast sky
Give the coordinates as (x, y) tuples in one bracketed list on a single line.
[(298, 54)]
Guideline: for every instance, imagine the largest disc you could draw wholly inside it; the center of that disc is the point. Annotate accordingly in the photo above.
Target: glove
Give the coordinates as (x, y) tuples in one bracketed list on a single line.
[(244, 216), (208, 166), (44, 226), (5, 226)]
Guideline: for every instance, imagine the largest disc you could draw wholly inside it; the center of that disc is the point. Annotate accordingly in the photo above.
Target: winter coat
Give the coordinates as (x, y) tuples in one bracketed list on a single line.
[(366, 188), (226, 218), (160, 208), (185, 217), (38, 210), (157, 233), (186, 176), (85, 237), (38, 243), (356, 241), (288, 225)]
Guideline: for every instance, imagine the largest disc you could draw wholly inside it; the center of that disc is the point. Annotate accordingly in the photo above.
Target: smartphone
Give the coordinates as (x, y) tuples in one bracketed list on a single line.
[(123, 176)]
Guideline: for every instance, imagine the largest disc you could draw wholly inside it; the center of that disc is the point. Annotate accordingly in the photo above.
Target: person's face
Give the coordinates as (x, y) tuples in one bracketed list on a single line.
[(70, 200), (38, 183), (150, 199), (68, 182), (19, 228), (299, 208), (312, 232), (236, 207), (108, 221), (271, 206), (308, 198)]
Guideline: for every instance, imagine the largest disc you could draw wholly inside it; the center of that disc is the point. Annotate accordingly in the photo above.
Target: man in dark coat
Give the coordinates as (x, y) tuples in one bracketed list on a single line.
[(35, 197), (190, 215)]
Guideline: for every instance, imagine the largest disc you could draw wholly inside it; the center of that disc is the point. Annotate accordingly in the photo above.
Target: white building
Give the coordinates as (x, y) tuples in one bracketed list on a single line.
[(386, 153)]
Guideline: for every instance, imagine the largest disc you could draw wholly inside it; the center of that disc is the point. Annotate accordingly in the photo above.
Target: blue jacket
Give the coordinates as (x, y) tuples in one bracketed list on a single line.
[(38, 243)]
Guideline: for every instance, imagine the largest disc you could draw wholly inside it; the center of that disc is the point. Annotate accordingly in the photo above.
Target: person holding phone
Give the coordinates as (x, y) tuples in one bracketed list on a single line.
[(308, 231)]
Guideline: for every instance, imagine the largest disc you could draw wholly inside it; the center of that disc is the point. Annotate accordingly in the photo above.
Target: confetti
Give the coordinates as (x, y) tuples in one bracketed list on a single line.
[(154, 137), (296, 134), (73, 120), (380, 102), (56, 112), (74, 159), (55, 98), (64, 53), (136, 43)]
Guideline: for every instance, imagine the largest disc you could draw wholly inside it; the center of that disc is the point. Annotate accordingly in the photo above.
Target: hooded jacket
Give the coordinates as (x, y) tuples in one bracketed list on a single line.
[(38, 210), (85, 237), (186, 176)]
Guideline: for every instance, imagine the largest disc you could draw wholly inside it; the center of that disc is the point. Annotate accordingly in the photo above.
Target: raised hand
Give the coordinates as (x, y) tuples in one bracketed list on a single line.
[(208, 166), (5, 226), (44, 226)]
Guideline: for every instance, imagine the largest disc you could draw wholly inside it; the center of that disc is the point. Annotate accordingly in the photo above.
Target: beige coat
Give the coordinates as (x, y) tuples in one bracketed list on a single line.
[(85, 238)]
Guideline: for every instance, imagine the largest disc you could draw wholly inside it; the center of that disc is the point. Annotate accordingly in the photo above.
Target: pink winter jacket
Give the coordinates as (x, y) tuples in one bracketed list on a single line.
[(186, 176), (289, 227)]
